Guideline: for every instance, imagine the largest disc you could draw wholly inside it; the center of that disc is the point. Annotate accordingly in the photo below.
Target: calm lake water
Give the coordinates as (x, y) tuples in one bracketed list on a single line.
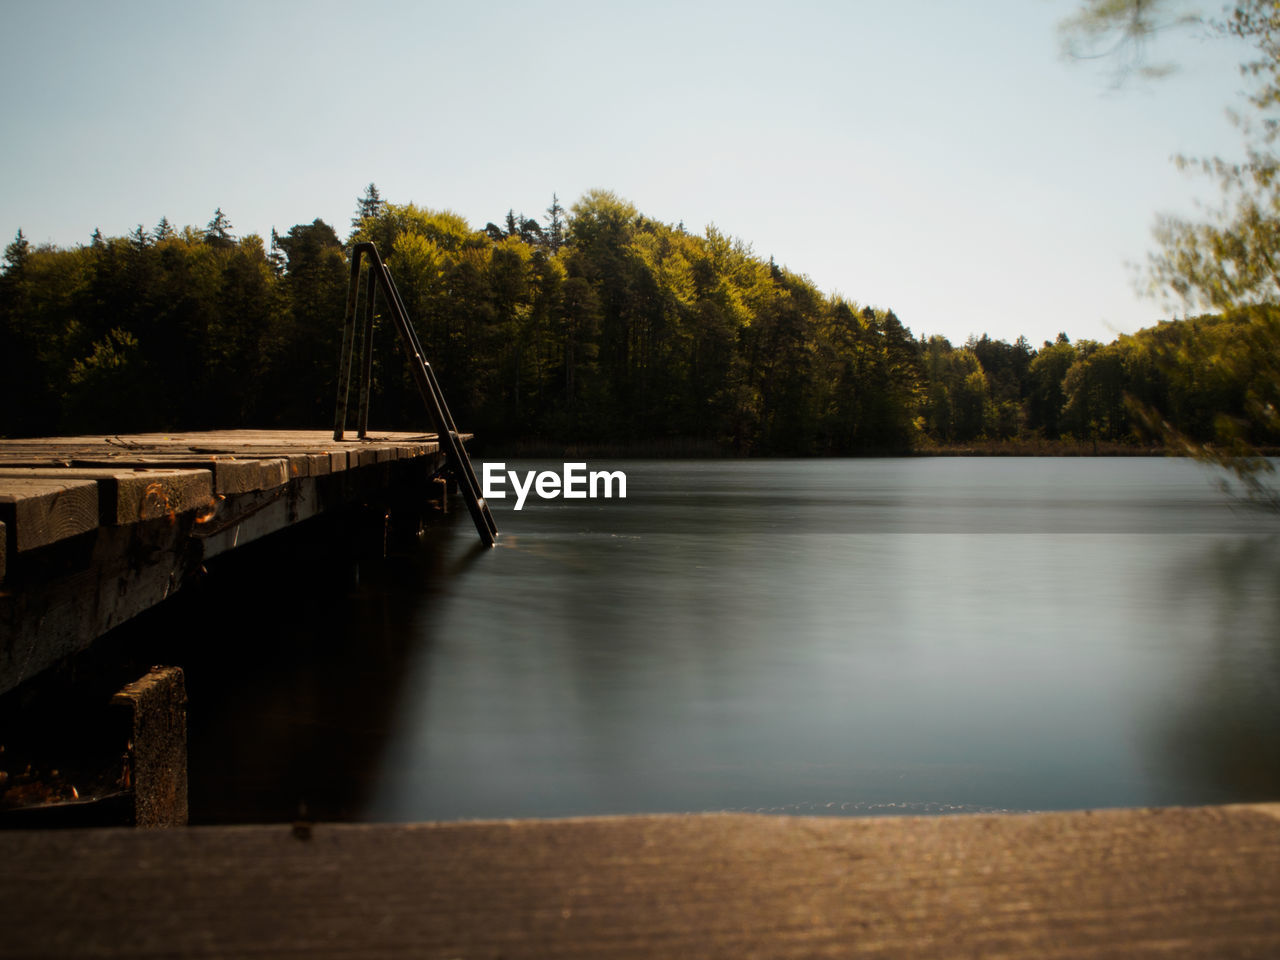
[(817, 636)]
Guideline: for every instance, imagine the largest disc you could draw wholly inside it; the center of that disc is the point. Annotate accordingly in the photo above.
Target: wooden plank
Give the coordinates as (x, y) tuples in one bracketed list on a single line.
[(305, 453), (241, 519), (1199, 883), (68, 598), (316, 439), (230, 475), (52, 618), (129, 496), (39, 512)]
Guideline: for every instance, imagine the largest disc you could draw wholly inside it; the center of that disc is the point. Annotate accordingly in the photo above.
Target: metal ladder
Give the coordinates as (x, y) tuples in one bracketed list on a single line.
[(455, 453)]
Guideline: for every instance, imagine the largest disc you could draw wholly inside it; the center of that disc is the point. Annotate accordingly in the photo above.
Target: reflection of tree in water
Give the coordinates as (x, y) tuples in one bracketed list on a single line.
[(1225, 734)]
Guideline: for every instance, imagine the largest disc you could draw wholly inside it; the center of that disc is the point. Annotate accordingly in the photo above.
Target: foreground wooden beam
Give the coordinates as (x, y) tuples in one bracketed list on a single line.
[(1201, 882)]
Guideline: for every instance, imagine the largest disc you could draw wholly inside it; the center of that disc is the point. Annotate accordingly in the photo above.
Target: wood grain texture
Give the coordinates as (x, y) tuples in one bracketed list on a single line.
[(157, 751), (131, 495), (1138, 883), (175, 500), (242, 461), (44, 511), (51, 610), (44, 619)]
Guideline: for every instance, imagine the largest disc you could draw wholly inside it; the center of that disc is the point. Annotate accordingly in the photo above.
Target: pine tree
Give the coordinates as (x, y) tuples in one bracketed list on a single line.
[(16, 253), (217, 232), (163, 230), (276, 255), (369, 205), (555, 225)]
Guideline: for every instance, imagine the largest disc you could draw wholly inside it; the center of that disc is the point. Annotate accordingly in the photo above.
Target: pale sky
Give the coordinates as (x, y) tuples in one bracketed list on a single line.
[(938, 158)]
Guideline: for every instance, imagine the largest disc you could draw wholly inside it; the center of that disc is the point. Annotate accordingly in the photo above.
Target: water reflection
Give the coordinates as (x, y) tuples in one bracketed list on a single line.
[(638, 663), (846, 637), (1225, 733), (294, 655)]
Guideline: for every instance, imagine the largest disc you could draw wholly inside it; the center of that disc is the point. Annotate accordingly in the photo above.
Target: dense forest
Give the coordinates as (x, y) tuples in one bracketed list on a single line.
[(591, 325)]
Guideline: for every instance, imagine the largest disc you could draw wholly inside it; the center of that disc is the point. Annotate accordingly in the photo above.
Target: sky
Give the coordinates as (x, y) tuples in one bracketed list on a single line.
[(940, 159)]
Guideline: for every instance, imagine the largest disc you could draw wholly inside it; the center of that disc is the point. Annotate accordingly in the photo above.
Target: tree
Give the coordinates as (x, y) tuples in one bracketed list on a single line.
[(370, 204), (1120, 31), (16, 253), (1046, 397), (554, 234), (1231, 263), (305, 342), (217, 233)]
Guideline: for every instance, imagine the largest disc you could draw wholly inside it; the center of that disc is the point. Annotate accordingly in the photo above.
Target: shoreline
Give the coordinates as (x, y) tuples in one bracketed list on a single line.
[(677, 448)]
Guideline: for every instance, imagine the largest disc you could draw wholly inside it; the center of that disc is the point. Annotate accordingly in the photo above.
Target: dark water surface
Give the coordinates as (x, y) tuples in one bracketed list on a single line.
[(830, 636)]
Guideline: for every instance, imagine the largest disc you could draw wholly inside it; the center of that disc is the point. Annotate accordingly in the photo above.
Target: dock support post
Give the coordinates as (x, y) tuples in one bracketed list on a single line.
[(157, 755)]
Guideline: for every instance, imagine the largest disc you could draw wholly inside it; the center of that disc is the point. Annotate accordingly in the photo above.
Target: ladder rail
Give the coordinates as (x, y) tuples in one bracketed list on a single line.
[(366, 365), (378, 276), (468, 475), (348, 345)]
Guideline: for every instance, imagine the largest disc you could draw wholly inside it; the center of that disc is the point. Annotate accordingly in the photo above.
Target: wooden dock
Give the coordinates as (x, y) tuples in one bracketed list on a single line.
[(94, 530), (1184, 883)]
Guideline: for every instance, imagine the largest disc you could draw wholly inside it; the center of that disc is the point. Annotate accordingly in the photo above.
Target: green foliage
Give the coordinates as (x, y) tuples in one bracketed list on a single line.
[(1121, 30), (1219, 374), (604, 326), (610, 327), (369, 205), (217, 233), (16, 253), (106, 390)]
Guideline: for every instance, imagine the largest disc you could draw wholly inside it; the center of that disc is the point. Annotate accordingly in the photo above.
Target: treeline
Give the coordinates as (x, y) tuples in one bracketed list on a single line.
[(1209, 379), (593, 325)]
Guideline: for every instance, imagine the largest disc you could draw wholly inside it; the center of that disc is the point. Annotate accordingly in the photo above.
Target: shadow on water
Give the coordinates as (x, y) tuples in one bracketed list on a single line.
[(294, 654), (1226, 734)]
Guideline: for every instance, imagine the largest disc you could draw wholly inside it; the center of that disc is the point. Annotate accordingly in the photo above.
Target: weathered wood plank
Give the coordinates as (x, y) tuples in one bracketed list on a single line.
[(157, 498), (304, 453), (39, 512), (230, 439), (231, 475), (1201, 883), (43, 620), (127, 496), (157, 752), (4, 549)]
